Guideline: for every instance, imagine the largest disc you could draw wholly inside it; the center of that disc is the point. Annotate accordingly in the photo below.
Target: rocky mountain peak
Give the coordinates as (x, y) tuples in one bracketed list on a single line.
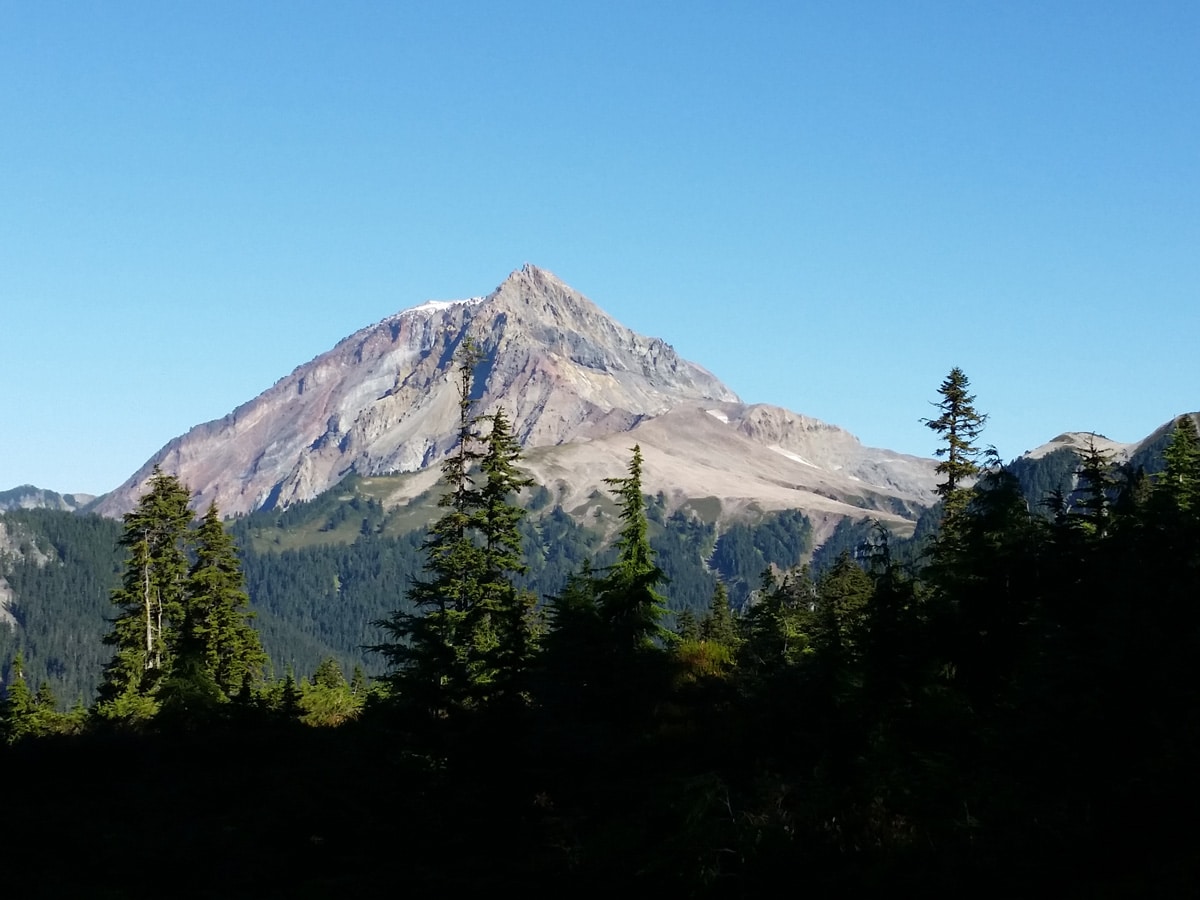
[(383, 399)]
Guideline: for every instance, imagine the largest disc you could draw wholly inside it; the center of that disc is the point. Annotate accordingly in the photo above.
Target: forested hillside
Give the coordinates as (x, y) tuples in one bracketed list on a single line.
[(319, 574), (996, 703), (61, 568), (991, 703)]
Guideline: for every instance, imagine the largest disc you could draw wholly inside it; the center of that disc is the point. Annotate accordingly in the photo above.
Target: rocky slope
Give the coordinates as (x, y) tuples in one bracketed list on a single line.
[(15, 545), (1081, 442), (580, 389), (29, 497)]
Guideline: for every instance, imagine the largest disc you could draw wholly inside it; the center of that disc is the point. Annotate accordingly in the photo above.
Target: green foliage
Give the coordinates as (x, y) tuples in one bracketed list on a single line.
[(216, 629), (152, 596), (959, 425), (432, 652), (999, 712), (60, 603), (777, 628), (504, 609), (467, 638), (681, 548), (701, 660), (843, 595), (318, 601), (628, 597), (1178, 487), (744, 549), (329, 701), (573, 646), (18, 709), (686, 626), (1094, 492), (183, 639), (1040, 477), (718, 626)]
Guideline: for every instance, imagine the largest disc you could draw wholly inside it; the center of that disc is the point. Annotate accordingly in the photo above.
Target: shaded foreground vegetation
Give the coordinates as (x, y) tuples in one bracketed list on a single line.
[(995, 708)]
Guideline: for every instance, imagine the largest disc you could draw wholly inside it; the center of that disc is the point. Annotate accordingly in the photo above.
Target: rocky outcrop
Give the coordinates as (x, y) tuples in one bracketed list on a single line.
[(15, 546), (29, 497), (1081, 442)]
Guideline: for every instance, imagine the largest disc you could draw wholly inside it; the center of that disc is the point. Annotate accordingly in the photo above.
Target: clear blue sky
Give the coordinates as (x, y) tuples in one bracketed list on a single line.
[(828, 205)]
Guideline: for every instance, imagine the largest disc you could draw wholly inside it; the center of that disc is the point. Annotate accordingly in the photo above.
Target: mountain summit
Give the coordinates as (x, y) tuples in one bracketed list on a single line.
[(384, 401)]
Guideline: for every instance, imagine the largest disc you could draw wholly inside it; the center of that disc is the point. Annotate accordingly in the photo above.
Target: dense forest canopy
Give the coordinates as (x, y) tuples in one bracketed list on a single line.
[(988, 702)]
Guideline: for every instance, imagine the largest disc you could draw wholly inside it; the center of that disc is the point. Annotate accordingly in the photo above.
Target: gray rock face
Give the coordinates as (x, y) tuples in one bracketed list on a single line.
[(15, 545), (384, 399), (29, 497)]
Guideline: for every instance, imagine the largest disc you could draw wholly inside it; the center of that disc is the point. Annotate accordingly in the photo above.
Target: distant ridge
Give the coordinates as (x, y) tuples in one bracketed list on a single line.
[(27, 496)]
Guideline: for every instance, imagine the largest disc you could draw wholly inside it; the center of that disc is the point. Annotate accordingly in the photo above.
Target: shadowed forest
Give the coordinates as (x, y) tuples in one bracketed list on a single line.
[(1005, 703)]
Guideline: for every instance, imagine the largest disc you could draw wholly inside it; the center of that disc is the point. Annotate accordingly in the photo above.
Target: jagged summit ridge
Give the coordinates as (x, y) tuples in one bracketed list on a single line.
[(383, 399)]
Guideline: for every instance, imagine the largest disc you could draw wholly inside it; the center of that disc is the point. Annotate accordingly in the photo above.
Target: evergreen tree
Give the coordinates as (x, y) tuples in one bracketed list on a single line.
[(182, 636), (426, 653), (686, 626), (707, 649), (328, 701), (986, 582), (216, 625), (571, 655), (288, 699), (25, 714), (718, 626), (843, 594), (1094, 490), (1168, 532), (469, 636), (359, 687), (151, 599), (502, 622), (19, 708), (1178, 486), (889, 646), (628, 599), (777, 628), (960, 425)]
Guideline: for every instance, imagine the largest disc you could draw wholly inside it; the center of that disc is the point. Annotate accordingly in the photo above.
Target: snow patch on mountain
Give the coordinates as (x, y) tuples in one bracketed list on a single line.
[(439, 305), (794, 457)]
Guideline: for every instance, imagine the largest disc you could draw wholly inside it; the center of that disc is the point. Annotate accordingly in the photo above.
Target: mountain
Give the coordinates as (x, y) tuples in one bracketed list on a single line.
[(29, 497), (580, 390), (1080, 442)]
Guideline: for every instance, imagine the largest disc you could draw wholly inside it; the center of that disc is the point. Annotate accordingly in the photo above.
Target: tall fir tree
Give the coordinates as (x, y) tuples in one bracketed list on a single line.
[(629, 599), (426, 667), (776, 629), (1178, 486), (504, 611), (1094, 491), (571, 656), (183, 635), (718, 625), (18, 709), (25, 714), (217, 629), (468, 634), (843, 596), (151, 599), (960, 425)]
